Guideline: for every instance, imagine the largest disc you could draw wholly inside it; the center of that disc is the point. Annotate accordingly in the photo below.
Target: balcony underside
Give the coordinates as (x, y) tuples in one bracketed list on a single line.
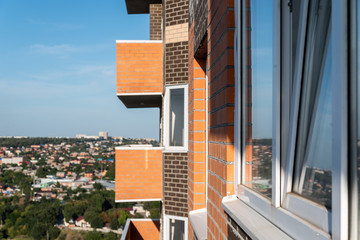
[(141, 101), (139, 6)]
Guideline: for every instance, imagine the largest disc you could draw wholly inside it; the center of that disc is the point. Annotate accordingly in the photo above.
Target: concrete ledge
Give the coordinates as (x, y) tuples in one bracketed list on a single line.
[(251, 222), (138, 147), (198, 219)]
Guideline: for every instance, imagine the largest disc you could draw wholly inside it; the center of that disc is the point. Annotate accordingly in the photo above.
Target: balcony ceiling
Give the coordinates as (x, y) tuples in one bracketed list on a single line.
[(139, 6), (141, 101)]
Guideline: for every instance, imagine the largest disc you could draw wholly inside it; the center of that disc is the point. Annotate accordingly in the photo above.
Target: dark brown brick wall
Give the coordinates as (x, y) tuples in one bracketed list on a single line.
[(175, 170), (234, 231), (176, 12), (198, 16), (176, 63), (155, 21)]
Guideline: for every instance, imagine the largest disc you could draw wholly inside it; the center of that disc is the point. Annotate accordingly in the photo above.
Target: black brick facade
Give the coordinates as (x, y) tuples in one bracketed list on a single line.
[(175, 179)]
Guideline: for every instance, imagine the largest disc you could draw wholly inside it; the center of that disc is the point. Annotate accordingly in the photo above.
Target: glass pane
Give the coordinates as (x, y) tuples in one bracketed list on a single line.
[(258, 95), (313, 163), (176, 130), (177, 229)]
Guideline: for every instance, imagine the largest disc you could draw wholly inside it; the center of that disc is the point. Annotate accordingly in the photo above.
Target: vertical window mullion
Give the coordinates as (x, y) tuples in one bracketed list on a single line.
[(238, 77), (340, 120), (276, 162), (354, 120)]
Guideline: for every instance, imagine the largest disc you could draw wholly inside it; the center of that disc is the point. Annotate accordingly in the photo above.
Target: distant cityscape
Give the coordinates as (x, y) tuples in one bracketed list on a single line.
[(73, 174), (102, 135)]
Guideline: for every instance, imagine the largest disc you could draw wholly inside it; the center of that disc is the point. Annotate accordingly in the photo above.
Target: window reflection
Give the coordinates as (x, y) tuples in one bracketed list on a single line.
[(258, 95), (314, 142), (177, 229), (176, 133)]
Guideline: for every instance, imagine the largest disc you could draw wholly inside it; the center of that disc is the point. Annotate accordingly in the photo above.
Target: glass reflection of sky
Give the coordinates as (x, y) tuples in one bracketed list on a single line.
[(319, 154), (261, 52)]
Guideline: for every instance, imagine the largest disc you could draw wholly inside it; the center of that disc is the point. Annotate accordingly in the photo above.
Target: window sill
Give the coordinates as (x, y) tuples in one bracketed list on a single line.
[(252, 223), (175, 150), (198, 219)]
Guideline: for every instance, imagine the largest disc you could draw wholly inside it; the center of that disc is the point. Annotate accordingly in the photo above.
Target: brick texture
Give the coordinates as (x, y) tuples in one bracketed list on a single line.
[(197, 128), (138, 174), (155, 21), (175, 184), (176, 63), (234, 231), (198, 16), (176, 12), (197, 132), (176, 33), (139, 67), (143, 230), (220, 65)]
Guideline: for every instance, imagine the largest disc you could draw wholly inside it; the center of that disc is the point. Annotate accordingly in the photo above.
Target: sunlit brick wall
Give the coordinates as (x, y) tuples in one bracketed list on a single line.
[(155, 11), (221, 113), (139, 67), (138, 174)]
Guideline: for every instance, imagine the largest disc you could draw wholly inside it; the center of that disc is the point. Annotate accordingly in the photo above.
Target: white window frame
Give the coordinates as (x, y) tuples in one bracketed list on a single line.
[(166, 225), (293, 214), (167, 147)]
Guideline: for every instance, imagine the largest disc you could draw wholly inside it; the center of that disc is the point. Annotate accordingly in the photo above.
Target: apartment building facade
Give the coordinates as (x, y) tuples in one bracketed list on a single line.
[(259, 118)]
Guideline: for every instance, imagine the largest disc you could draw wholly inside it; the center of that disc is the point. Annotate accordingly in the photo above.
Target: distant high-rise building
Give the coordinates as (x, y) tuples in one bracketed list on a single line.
[(80, 135), (103, 135)]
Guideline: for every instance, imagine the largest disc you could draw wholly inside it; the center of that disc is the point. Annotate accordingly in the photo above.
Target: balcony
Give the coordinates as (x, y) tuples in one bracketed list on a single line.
[(139, 73), (139, 229), (138, 174)]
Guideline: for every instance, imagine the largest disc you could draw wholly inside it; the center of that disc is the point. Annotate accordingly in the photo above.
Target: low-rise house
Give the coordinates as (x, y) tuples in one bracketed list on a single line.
[(60, 174), (80, 222)]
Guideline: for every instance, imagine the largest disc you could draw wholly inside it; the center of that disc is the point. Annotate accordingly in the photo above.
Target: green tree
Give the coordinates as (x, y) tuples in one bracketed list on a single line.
[(98, 186), (114, 224), (73, 210), (94, 219), (93, 235), (138, 215), (110, 174), (53, 232), (41, 173), (123, 215), (39, 231), (154, 213), (110, 236), (97, 201)]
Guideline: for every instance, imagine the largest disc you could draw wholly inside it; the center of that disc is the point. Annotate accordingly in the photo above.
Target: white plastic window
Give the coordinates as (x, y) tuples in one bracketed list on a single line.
[(175, 118), (306, 119), (175, 228)]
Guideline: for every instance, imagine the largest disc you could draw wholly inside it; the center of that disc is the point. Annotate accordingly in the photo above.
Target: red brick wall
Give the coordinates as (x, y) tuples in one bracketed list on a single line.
[(220, 64), (138, 174), (197, 132), (139, 67), (139, 230)]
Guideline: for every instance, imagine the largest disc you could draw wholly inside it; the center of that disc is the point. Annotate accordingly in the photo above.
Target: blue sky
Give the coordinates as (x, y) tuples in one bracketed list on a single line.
[(58, 69)]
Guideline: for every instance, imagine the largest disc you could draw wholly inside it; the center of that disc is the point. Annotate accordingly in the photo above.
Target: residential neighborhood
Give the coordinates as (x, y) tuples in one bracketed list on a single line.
[(74, 177)]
